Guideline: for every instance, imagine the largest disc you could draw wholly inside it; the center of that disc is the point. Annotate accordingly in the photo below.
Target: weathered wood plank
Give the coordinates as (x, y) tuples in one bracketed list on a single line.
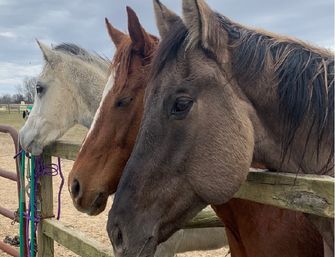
[(205, 219), (307, 193), (63, 149), (75, 240), (45, 244)]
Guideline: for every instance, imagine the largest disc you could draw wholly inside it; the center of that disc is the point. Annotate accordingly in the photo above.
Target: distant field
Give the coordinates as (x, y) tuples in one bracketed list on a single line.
[(14, 119)]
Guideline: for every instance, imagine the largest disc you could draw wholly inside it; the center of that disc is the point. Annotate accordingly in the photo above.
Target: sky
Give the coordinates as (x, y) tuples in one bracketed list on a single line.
[(82, 22)]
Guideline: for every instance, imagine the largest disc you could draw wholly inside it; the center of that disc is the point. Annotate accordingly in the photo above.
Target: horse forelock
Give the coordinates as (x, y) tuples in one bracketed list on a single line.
[(123, 58), (121, 62), (169, 47)]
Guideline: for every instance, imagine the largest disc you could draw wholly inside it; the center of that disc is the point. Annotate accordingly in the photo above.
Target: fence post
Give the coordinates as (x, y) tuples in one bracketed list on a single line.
[(45, 243)]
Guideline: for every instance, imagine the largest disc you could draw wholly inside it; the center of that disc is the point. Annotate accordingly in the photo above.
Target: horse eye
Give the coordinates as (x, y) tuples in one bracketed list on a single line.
[(39, 89), (181, 106), (124, 102)]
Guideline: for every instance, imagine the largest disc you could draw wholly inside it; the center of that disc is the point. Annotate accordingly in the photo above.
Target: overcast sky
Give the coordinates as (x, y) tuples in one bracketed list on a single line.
[(82, 22)]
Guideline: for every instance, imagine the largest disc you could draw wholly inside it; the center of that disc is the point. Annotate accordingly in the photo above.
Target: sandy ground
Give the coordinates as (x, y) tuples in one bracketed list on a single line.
[(93, 226)]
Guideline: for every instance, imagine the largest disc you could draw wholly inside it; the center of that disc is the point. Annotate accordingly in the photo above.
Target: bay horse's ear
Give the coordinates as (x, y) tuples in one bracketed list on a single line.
[(138, 35), (49, 55), (204, 26), (165, 18), (116, 35)]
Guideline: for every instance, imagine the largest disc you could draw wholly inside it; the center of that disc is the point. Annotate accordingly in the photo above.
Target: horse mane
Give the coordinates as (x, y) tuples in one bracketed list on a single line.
[(76, 51), (304, 74)]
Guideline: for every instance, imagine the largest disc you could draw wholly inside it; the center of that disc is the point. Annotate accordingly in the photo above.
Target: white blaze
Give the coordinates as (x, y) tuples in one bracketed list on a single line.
[(107, 89)]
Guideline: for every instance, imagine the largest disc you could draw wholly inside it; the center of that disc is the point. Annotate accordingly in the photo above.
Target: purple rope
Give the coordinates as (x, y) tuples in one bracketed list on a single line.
[(60, 188), (18, 154), (52, 170)]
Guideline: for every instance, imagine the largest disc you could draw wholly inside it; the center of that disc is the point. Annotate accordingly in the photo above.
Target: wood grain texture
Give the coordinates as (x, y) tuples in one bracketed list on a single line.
[(44, 243), (75, 240)]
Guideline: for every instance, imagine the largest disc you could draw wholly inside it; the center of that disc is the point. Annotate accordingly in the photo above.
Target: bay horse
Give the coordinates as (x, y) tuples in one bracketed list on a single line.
[(68, 92), (220, 96), (109, 143)]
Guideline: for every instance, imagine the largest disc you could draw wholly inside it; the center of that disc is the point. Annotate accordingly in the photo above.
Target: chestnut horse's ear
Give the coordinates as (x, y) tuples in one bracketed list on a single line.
[(49, 55), (204, 26), (138, 35), (116, 35), (165, 18)]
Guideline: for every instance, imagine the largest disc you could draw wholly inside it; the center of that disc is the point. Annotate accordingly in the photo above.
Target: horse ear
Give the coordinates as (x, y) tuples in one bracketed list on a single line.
[(137, 34), (203, 25), (116, 35), (165, 18), (49, 55)]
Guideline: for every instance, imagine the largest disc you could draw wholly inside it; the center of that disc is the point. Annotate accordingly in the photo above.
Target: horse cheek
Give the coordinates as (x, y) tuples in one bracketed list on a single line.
[(217, 175)]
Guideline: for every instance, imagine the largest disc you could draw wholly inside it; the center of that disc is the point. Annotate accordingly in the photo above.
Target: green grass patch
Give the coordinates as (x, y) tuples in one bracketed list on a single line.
[(13, 119)]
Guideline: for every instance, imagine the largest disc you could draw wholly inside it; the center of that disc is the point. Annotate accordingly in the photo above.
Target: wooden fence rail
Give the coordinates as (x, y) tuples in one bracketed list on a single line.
[(12, 108), (307, 193)]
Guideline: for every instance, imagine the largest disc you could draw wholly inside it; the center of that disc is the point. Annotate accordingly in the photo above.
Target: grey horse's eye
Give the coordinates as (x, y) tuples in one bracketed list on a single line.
[(39, 89), (181, 107)]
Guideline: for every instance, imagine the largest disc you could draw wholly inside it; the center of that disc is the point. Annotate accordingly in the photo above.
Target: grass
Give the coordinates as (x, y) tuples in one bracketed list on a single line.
[(14, 119)]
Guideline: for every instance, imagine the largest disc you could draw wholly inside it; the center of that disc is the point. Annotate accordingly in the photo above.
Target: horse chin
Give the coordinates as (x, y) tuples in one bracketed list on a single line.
[(33, 148), (36, 149), (149, 248)]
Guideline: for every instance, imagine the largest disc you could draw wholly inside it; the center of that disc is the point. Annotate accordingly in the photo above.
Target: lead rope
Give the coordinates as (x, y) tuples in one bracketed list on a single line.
[(22, 202), (33, 214)]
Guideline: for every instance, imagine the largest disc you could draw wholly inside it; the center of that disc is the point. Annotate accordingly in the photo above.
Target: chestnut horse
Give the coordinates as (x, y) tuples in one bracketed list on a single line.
[(219, 96), (99, 165)]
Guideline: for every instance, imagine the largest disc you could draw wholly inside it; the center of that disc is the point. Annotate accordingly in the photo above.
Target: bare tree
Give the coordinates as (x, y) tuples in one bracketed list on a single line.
[(27, 89), (5, 99), (17, 98)]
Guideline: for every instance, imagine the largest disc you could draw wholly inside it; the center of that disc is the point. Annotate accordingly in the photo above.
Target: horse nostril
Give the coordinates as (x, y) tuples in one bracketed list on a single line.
[(75, 188), (118, 239)]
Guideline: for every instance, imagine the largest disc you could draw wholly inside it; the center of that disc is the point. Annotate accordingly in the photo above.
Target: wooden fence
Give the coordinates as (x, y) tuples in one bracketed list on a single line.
[(13, 108), (308, 193)]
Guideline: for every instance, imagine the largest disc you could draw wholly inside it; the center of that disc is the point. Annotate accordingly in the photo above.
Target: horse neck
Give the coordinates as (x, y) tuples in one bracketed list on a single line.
[(90, 92), (308, 152), (302, 155)]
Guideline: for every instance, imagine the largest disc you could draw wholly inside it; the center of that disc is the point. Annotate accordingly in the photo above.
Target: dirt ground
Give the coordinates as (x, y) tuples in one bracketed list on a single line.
[(92, 226)]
